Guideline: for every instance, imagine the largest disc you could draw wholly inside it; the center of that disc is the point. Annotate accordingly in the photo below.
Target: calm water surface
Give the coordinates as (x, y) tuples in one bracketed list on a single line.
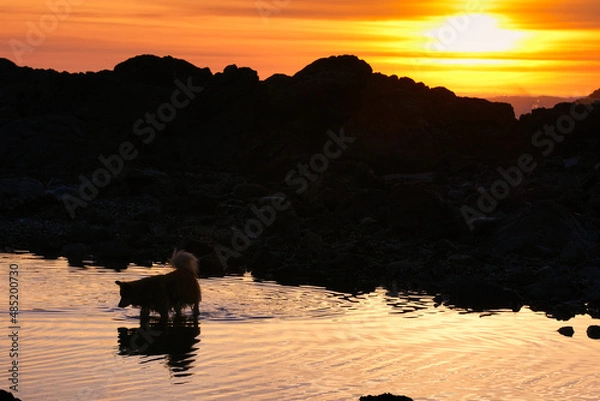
[(263, 341)]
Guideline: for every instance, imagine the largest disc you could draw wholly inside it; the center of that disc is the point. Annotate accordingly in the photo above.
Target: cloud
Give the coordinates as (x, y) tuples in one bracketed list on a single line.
[(562, 45), (315, 9), (551, 14)]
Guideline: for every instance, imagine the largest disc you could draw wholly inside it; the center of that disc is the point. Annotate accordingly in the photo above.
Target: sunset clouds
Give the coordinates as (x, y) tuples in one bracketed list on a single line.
[(471, 47)]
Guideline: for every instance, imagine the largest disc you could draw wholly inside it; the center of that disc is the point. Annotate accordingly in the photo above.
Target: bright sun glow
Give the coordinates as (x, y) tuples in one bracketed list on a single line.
[(473, 33)]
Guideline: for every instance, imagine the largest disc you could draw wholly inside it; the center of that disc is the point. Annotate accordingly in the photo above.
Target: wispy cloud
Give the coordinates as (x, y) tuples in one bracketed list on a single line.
[(560, 39), (550, 14)]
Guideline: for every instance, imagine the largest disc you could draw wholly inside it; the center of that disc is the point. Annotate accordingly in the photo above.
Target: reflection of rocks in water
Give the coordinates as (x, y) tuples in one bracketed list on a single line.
[(176, 341), (478, 295), (407, 302)]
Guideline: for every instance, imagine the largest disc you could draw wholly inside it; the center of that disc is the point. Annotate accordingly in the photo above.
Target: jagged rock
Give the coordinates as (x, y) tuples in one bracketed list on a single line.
[(593, 332), (263, 263), (567, 331), (526, 231), (17, 193), (414, 211), (89, 234), (595, 95), (396, 161), (6, 66), (573, 253), (195, 202), (112, 252), (152, 70), (479, 295), (75, 253), (136, 233), (249, 192), (5, 395), (211, 266), (385, 397), (197, 247)]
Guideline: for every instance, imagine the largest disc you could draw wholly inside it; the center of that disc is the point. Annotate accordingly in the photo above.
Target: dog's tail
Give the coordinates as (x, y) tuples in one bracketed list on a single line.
[(185, 260)]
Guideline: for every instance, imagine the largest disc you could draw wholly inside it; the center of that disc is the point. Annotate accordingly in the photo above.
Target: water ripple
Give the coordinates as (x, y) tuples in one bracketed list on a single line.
[(263, 341)]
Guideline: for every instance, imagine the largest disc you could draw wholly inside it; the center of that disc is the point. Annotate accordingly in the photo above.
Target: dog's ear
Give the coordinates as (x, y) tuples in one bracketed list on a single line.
[(121, 283)]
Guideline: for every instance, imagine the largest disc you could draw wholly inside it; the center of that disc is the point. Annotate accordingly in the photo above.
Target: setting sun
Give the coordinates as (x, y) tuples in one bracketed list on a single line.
[(475, 48), (300, 200), (472, 33)]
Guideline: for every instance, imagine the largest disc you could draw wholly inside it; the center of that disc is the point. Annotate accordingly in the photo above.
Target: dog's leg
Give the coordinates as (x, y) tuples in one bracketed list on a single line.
[(164, 315), (178, 311), (196, 312), (178, 316), (144, 314)]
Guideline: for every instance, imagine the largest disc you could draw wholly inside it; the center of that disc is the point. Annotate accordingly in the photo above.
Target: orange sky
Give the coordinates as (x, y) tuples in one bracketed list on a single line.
[(472, 47)]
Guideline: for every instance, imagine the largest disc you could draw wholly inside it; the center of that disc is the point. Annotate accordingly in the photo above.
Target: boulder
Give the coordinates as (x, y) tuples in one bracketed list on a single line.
[(115, 253), (264, 262), (385, 397), (415, 211), (567, 331), (526, 232), (75, 253), (479, 295), (593, 332), (153, 70), (5, 395), (249, 192), (210, 265), (19, 193)]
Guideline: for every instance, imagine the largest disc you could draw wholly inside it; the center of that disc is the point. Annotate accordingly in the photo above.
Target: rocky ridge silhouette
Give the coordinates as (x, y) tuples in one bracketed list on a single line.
[(374, 179)]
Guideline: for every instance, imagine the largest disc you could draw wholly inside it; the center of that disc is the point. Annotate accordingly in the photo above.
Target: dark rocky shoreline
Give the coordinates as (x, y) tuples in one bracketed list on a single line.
[(336, 176)]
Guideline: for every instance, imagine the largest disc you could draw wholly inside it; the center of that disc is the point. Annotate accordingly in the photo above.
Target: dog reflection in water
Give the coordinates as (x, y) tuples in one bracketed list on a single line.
[(177, 342), (162, 293)]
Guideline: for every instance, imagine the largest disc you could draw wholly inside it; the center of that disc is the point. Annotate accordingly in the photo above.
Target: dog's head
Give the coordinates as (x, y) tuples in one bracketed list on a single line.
[(126, 293)]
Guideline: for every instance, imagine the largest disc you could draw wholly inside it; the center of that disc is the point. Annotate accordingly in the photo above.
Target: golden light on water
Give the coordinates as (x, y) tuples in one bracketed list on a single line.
[(263, 341)]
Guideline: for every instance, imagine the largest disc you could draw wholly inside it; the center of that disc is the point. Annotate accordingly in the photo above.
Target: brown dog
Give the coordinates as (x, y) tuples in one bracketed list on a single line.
[(161, 293)]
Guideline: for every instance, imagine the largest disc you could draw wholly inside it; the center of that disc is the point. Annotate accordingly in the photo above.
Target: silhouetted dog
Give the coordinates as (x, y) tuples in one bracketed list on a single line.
[(161, 293)]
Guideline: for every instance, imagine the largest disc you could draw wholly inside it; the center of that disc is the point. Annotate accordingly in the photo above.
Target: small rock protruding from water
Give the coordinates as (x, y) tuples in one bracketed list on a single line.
[(594, 332), (566, 331), (5, 395), (385, 397)]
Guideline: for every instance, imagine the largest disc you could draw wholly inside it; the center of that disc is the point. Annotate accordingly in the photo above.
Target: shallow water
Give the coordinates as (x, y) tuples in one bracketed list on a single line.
[(263, 341)]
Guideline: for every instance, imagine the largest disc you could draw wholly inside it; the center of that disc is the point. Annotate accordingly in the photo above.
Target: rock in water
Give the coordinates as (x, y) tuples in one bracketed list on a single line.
[(385, 397), (566, 331), (594, 332)]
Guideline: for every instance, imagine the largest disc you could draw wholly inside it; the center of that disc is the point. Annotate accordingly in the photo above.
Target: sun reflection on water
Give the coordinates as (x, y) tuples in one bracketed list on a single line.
[(263, 341)]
